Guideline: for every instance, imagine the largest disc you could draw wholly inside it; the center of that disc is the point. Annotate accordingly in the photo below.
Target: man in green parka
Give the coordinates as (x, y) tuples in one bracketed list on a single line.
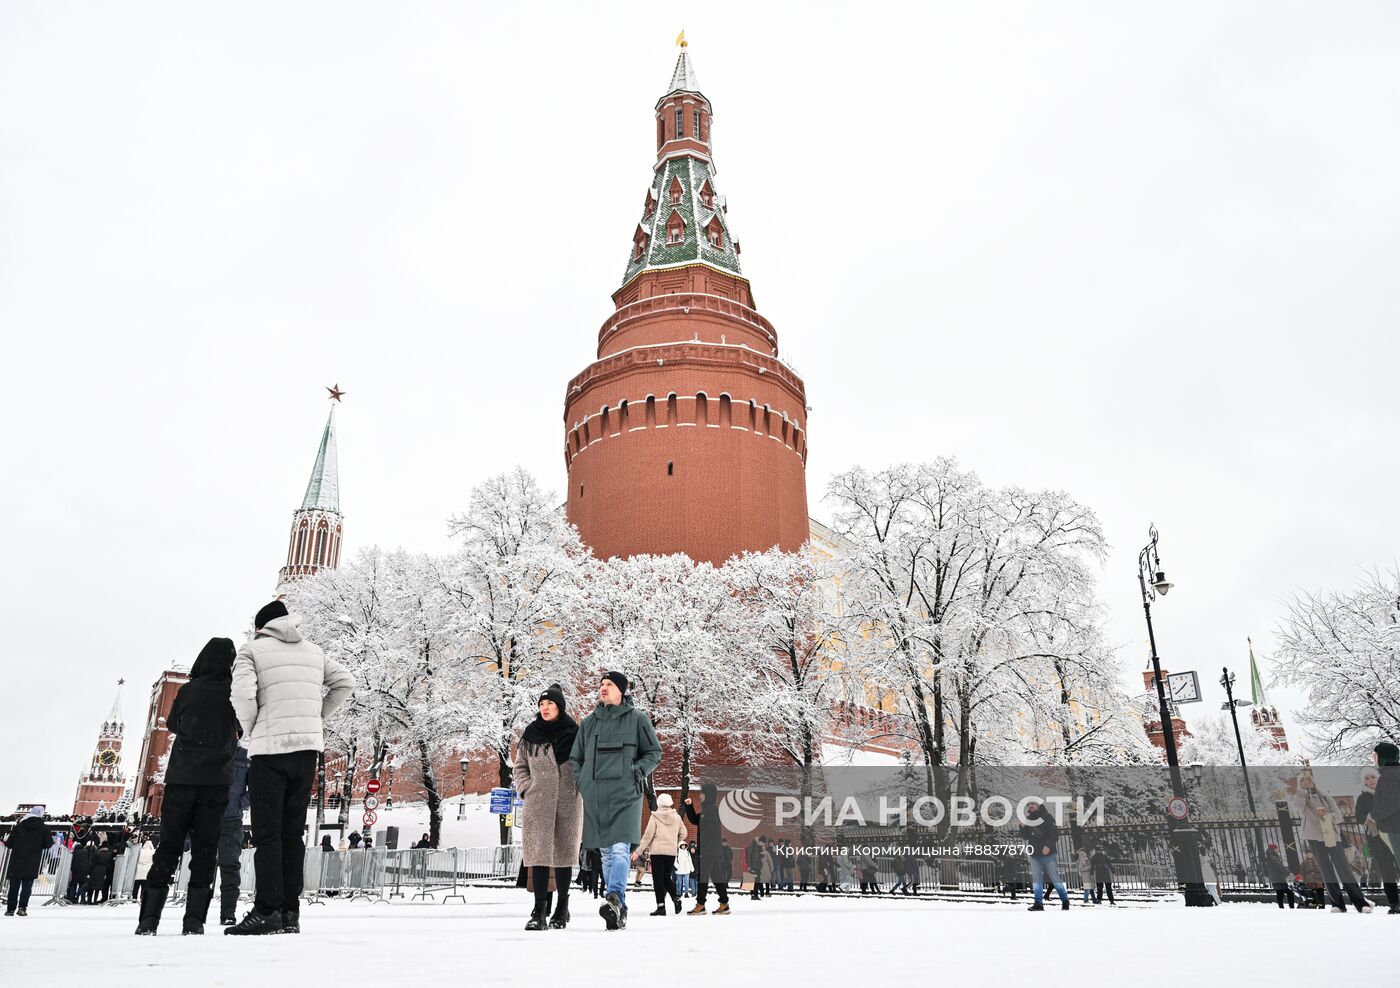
[(614, 751)]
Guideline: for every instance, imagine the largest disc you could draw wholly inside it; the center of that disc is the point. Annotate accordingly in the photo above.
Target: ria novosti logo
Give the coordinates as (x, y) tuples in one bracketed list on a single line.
[(739, 811)]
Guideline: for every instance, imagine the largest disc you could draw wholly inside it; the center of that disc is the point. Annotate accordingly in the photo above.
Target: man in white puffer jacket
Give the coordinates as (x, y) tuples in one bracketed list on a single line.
[(283, 688)]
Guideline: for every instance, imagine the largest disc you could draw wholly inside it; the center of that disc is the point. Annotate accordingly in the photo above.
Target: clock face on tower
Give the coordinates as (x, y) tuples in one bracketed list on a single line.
[(108, 757)]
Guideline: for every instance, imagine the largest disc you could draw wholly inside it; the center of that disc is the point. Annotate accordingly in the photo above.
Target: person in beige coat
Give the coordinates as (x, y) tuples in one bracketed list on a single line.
[(553, 816), (664, 836)]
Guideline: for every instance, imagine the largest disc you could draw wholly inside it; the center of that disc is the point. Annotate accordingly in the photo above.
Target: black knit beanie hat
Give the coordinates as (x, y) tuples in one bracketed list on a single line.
[(555, 694), (618, 680), (269, 612), (1387, 753)]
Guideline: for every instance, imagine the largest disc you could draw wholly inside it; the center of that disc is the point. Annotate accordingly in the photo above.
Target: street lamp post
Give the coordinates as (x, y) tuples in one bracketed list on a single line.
[(462, 804), (1227, 680), (1153, 582)]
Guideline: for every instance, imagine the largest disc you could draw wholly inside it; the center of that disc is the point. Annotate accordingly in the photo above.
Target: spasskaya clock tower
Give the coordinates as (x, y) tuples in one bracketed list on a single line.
[(102, 786)]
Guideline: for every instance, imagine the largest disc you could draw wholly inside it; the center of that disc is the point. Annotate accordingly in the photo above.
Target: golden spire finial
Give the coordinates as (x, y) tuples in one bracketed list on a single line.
[(680, 39)]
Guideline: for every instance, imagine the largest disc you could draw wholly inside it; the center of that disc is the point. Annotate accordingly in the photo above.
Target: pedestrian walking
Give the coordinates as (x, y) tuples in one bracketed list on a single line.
[(197, 779), (685, 870), (79, 869), (28, 841), (231, 838), (145, 857), (1103, 876), (1085, 867), (614, 752), (712, 859), (1321, 819), (1277, 874), (1382, 817), (1041, 835), (283, 689), (100, 877), (553, 807), (664, 837)]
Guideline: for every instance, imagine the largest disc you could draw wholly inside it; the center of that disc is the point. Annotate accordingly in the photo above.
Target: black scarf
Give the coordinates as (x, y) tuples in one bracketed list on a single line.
[(558, 733)]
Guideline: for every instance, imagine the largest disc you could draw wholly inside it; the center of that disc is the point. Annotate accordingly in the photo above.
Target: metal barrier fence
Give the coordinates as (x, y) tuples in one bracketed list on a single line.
[(376, 875)]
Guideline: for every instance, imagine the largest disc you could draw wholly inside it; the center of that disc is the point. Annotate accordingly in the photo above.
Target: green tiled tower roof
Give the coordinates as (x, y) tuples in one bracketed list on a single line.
[(691, 174)]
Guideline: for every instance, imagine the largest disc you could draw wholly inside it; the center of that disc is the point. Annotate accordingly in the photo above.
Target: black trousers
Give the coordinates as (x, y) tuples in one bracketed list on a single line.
[(193, 812), (1282, 892), (230, 875), (1336, 873), (280, 787), (18, 895), (663, 877), (705, 871), (1100, 888)]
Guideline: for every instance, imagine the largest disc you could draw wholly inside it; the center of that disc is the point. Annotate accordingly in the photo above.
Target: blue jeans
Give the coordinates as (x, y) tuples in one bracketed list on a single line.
[(617, 861), (1044, 870)]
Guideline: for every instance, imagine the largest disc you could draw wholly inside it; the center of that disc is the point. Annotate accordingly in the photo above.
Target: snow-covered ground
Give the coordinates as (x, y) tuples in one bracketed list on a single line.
[(778, 941)]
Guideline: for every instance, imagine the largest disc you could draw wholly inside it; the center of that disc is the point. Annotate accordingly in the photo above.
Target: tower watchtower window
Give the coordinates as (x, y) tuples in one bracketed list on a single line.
[(670, 468), (695, 124), (680, 123)]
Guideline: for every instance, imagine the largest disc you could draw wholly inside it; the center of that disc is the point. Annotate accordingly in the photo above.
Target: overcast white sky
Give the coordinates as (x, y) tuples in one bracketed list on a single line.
[(1144, 252)]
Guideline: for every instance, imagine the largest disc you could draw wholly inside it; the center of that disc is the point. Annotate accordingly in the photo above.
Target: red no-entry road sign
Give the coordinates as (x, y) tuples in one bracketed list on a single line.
[(372, 786)]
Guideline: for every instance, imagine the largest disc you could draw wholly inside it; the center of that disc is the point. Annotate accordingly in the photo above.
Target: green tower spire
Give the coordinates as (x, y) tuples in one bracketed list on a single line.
[(323, 489), (1256, 682)]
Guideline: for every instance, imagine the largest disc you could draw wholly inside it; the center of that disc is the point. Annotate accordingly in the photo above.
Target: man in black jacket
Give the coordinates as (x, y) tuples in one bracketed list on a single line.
[(197, 780), (712, 856), (28, 843), (1041, 834)]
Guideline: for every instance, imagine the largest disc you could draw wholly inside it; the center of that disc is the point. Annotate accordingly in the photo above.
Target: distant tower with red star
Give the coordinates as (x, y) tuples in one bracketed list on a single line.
[(687, 433), (102, 786), (317, 526)]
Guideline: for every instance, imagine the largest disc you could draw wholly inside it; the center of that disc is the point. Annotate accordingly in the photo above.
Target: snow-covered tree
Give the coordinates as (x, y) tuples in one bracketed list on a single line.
[(1344, 650), (675, 629), (511, 587), (387, 618), (981, 602), (796, 640), (1212, 742)]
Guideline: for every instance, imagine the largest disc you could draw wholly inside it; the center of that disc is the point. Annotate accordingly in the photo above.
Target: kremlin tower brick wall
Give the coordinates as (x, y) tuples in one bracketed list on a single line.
[(687, 433)]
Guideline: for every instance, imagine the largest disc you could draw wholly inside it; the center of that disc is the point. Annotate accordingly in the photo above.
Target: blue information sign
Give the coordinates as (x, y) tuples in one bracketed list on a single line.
[(501, 800)]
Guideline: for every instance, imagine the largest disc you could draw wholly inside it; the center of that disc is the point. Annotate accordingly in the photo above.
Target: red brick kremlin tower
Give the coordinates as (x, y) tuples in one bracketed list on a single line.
[(317, 526), (687, 433), (102, 786)]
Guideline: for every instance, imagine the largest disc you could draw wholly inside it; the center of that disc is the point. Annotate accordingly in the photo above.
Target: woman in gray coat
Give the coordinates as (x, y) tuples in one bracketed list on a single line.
[(553, 824)]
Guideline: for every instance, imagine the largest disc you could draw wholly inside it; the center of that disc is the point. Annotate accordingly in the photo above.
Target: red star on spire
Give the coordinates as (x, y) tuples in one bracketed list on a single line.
[(335, 391)]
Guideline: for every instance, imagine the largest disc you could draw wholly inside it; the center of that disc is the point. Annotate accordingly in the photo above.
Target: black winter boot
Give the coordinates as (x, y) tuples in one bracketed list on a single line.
[(560, 919), (611, 911), (291, 919), (196, 910), (152, 902)]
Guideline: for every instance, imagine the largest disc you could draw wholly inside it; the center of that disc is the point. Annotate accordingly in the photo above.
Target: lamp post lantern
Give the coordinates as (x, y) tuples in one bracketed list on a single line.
[(1153, 582)]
